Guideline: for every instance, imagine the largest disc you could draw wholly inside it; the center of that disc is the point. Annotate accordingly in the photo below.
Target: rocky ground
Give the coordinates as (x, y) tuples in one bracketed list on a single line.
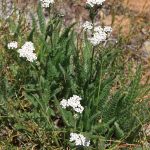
[(129, 18)]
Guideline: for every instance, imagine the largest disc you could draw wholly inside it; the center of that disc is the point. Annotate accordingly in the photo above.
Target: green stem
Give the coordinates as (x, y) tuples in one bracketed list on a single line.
[(99, 87), (92, 63)]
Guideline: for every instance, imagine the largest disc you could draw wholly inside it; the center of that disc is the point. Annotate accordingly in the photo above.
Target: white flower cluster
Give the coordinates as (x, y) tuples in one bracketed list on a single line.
[(73, 102), (94, 2), (46, 3), (79, 139), (12, 45), (27, 51), (98, 35), (87, 25)]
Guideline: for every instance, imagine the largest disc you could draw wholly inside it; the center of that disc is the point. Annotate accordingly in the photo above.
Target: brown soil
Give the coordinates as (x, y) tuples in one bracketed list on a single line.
[(139, 6)]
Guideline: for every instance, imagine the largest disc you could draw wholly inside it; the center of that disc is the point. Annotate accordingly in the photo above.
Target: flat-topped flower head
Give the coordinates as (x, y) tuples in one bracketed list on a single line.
[(73, 102), (46, 3), (79, 139), (97, 34), (92, 3), (26, 51), (12, 45)]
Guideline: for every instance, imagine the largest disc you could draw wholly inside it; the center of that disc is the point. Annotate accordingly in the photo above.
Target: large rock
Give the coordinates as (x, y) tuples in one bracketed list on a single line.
[(146, 48)]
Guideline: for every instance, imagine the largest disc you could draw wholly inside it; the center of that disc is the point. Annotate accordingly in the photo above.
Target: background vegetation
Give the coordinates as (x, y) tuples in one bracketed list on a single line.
[(115, 103)]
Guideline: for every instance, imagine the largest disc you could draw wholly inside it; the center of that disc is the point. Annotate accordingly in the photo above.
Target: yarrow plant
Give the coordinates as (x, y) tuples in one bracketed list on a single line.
[(73, 102), (79, 139), (26, 51), (12, 45), (94, 2), (46, 3), (68, 64), (96, 34)]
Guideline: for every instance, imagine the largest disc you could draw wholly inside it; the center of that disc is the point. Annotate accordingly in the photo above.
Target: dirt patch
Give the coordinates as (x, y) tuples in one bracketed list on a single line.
[(120, 25), (139, 6)]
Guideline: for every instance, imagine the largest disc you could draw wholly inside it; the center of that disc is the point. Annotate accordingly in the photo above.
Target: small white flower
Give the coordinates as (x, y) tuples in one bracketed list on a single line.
[(87, 25), (46, 3), (79, 139), (73, 102), (107, 29), (79, 109), (94, 2), (29, 46), (98, 37), (64, 103), (27, 52), (12, 45)]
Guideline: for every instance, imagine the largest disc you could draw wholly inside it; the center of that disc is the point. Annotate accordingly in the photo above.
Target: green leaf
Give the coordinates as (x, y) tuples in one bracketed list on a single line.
[(119, 132), (65, 34), (31, 35), (41, 19)]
